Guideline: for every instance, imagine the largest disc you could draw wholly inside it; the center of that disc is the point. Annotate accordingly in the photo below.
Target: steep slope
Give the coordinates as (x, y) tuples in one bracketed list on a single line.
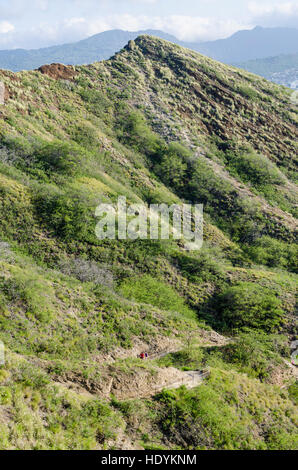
[(158, 124)]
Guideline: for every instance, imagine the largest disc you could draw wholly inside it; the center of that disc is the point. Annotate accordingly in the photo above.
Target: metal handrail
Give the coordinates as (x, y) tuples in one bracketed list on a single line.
[(205, 373)]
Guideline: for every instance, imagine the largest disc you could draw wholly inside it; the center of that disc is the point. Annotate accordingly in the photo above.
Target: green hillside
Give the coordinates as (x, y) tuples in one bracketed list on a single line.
[(158, 124)]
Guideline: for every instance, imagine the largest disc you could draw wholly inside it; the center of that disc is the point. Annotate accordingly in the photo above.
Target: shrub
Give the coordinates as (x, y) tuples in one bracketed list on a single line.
[(273, 253), (30, 376), (59, 157), (149, 290), (171, 171), (98, 103), (87, 271), (250, 305), (172, 168), (204, 267), (256, 353), (293, 392), (85, 135), (187, 359), (31, 293), (248, 92), (254, 168), (228, 411), (16, 210), (8, 157), (134, 131), (210, 189), (67, 215), (17, 151)]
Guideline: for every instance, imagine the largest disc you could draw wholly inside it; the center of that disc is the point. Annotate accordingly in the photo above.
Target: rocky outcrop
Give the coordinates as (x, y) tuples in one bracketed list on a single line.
[(58, 71)]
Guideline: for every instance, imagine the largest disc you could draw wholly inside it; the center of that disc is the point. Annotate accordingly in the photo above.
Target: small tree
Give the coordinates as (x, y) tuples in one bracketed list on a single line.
[(60, 157), (250, 305), (172, 171)]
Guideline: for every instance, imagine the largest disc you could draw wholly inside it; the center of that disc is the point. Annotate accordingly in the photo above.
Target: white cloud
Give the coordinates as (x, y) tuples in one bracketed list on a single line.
[(187, 28), (288, 8), (281, 14), (69, 23), (6, 27), (20, 8)]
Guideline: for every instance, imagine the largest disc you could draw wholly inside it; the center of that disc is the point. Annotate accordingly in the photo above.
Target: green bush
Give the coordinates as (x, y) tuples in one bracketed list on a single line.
[(172, 168), (248, 92), (31, 293), (293, 392), (149, 290), (133, 130), (17, 219), (171, 171), (59, 157), (98, 103), (205, 266), (273, 253), (18, 145), (187, 359), (227, 412), (31, 376), (206, 187), (256, 353), (255, 168), (66, 215), (85, 135), (38, 157), (249, 305)]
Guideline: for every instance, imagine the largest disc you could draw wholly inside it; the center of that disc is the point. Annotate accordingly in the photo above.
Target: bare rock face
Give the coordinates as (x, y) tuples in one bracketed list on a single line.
[(58, 71), (2, 93)]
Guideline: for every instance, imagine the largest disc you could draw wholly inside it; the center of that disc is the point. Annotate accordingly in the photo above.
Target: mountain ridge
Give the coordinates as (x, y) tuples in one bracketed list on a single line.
[(255, 43), (95, 48), (158, 124), (252, 44)]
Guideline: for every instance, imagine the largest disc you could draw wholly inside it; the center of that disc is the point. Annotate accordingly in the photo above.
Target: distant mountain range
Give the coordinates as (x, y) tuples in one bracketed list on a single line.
[(278, 46), (96, 48), (282, 69), (257, 43)]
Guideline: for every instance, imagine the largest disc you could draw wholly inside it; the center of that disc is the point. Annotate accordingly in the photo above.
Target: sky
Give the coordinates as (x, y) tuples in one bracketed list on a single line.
[(40, 23)]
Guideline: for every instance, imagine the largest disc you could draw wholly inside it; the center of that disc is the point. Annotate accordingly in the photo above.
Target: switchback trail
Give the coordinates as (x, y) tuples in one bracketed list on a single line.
[(191, 379)]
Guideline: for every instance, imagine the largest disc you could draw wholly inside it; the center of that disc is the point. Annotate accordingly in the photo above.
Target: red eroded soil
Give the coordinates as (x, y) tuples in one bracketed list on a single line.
[(57, 71)]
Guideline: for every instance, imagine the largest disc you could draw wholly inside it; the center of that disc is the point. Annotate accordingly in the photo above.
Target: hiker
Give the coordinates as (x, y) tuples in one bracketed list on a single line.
[(142, 355), (146, 355)]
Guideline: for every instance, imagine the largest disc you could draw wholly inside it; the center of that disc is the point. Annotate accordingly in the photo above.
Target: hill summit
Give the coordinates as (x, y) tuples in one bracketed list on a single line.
[(156, 124)]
